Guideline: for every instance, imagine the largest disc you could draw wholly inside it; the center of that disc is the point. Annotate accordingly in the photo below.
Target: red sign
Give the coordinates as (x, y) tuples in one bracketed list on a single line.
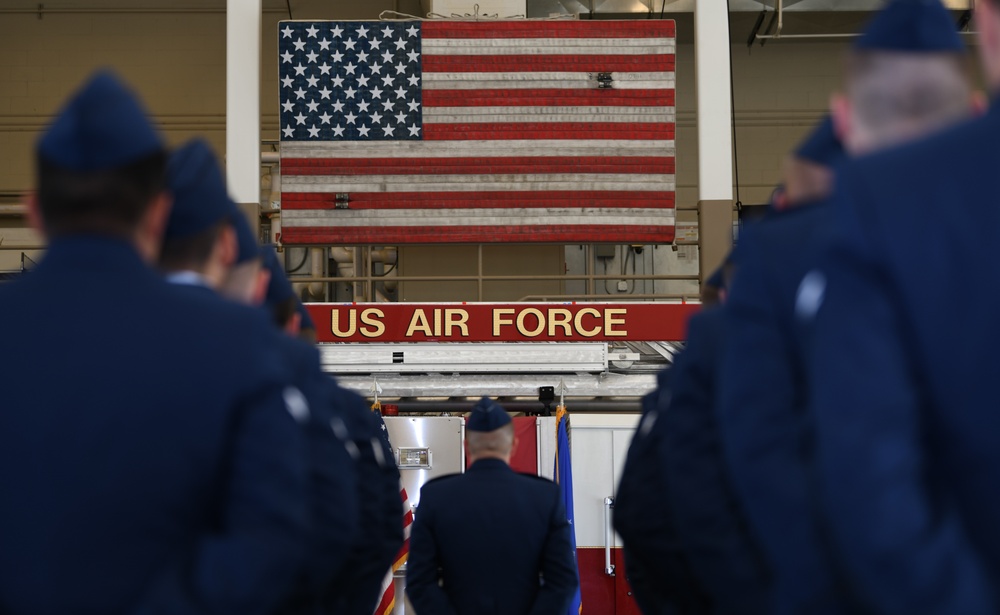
[(501, 322)]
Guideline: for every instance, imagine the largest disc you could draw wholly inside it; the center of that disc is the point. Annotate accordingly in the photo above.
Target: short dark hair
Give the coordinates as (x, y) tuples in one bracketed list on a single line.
[(191, 252), (111, 201)]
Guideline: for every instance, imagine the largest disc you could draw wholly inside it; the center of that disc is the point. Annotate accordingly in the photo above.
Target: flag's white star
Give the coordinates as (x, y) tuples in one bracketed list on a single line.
[(338, 106), (350, 68), (337, 31), (324, 45), (337, 57), (286, 58), (377, 117), (363, 106), (387, 105), (413, 55), (350, 117), (414, 131), (376, 69), (312, 81), (412, 31), (414, 80), (350, 92), (288, 131), (363, 57), (387, 31), (414, 105), (387, 130), (338, 131), (287, 106), (363, 32), (400, 92), (286, 32), (375, 43), (312, 55), (363, 131), (313, 131), (337, 81), (324, 69), (300, 119), (299, 44), (400, 68), (325, 118), (312, 31), (387, 81), (313, 106), (363, 81), (376, 92), (387, 56), (400, 118), (400, 44), (350, 43), (300, 70), (300, 93), (325, 93), (287, 81)]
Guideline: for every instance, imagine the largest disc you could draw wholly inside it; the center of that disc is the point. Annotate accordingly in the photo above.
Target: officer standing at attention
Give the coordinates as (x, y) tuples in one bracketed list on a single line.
[(148, 459), (208, 237), (905, 77), (903, 371), (490, 540)]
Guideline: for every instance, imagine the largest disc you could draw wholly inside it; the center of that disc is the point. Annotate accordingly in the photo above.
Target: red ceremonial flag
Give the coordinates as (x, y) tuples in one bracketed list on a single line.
[(458, 131)]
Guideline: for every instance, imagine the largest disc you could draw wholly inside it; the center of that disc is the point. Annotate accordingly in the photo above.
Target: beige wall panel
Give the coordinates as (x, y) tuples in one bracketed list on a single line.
[(463, 260)]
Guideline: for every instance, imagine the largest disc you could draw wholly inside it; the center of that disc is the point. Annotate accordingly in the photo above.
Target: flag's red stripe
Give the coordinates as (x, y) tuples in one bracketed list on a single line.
[(294, 201), (391, 235), (477, 165), (548, 97), (549, 130), (662, 62), (549, 29), (386, 603)]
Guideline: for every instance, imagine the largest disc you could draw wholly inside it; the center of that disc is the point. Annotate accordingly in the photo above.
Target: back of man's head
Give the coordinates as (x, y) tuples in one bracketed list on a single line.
[(100, 164), (489, 432), (906, 76)]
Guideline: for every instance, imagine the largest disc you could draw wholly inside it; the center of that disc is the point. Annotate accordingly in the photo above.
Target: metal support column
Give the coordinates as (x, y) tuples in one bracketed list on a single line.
[(243, 24)]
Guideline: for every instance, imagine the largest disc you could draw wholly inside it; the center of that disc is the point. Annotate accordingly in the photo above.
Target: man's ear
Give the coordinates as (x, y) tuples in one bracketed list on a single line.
[(294, 324), (513, 446), (840, 111), (979, 102), (227, 247), (260, 286), (34, 213)]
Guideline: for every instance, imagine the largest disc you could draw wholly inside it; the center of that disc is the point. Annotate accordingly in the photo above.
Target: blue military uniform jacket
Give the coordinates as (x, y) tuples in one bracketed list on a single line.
[(766, 429), (904, 374), (709, 520), (148, 460), (656, 564), (480, 540)]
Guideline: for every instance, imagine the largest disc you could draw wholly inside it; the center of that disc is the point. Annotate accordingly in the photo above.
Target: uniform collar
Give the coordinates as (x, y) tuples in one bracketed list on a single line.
[(187, 278), (94, 253), (489, 464)]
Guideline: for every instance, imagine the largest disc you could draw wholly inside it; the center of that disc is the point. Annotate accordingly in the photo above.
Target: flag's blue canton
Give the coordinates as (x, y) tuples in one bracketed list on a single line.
[(349, 81)]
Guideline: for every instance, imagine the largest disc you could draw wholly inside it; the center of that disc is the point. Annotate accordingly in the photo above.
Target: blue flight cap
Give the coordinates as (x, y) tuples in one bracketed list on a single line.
[(822, 145), (201, 200), (103, 126), (307, 321), (279, 289), (246, 242), (487, 415), (911, 26)]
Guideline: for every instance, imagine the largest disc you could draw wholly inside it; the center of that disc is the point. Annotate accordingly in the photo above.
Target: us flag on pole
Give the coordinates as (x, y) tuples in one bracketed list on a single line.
[(488, 131)]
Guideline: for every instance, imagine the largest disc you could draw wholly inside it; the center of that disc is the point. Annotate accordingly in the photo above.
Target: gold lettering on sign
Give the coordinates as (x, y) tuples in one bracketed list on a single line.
[(560, 317), (418, 322), (578, 324), (456, 318), (610, 321), (498, 320), (352, 323), (371, 317), (533, 332)]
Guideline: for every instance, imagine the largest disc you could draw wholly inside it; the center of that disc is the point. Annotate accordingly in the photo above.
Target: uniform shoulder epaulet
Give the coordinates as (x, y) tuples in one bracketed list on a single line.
[(536, 477), (439, 479)]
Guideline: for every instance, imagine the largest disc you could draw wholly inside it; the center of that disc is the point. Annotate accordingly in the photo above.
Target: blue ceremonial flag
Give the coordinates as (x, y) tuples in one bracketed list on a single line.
[(564, 477)]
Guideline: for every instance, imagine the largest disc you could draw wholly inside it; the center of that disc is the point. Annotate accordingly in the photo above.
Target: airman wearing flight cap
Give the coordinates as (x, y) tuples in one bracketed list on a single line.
[(148, 457), (903, 373), (904, 79), (207, 236), (490, 540)]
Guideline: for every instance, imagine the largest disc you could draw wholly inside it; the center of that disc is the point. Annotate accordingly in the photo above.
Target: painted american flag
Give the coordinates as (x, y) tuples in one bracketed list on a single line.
[(461, 131)]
